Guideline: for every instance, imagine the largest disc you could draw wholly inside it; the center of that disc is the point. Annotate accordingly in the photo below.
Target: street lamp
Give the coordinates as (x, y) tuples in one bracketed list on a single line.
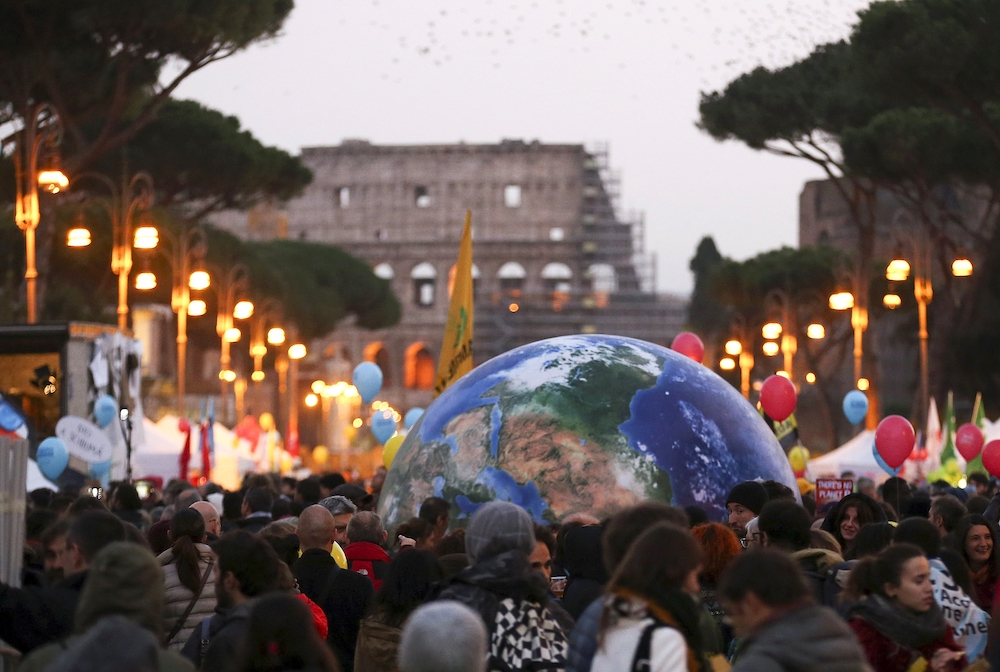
[(853, 297), (123, 204), (227, 286), (260, 335), (740, 345), (39, 138)]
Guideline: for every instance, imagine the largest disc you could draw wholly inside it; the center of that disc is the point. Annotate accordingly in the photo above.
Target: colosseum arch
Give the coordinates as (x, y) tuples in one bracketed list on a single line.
[(418, 367)]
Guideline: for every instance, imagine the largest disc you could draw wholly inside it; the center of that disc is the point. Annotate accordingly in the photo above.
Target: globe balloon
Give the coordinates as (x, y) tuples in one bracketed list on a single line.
[(855, 406), (367, 378), (778, 397), (52, 457)]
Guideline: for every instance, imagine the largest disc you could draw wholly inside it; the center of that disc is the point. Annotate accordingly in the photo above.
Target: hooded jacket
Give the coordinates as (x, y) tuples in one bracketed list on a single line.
[(583, 561), (33, 616), (178, 596), (803, 640), (378, 646), (124, 580), (817, 565)]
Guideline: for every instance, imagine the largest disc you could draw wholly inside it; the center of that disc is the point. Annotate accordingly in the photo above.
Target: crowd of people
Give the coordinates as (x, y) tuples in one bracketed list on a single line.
[(303, 575)]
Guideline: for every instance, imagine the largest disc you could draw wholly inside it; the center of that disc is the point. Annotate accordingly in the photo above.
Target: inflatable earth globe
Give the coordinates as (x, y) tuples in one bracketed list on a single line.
[(583, 424)]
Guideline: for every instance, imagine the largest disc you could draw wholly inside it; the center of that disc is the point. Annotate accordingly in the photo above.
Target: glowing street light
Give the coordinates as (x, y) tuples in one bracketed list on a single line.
[(52, 181), (197, 308), (961, 268), (311, 400), (232, 335), (783, 374), (275, 336), (243, 310), (771, 330), (146, 238), (810, 377), (898, 270), (864, 384), (770, 348), (297, 351), (733, 347), (200, 280), (257, 376), (727, 363), (816, 331), (145, 281), (891, 301), (227, 375), (78, 237), (317, 386), (841, 301)]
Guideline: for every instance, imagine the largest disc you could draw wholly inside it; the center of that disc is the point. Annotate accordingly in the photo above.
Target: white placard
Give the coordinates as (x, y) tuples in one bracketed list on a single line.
[(84, 439)]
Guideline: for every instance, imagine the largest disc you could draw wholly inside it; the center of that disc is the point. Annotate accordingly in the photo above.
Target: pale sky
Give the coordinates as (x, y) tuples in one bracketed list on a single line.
[(625, 72)]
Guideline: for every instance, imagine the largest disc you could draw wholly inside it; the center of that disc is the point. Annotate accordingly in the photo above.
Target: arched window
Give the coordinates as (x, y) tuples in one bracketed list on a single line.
[(512, 275), (418, 367), (557, 278), (384, 271), (451, 279), (376, 353), (424, 277)]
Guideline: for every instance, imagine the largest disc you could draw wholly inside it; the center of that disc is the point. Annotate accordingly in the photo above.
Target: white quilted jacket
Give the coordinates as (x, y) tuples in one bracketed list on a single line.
[(178, 597)]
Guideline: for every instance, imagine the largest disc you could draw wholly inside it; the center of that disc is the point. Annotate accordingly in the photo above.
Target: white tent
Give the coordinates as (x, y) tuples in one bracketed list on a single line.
[(36, 479), (855, 455), (161, 451)]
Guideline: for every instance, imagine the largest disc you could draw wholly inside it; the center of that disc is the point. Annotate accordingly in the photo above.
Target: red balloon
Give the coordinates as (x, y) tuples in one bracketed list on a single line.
[(894, 440), (778, 397), (689, 345), (991, 457), (184, 425), (969, 441)]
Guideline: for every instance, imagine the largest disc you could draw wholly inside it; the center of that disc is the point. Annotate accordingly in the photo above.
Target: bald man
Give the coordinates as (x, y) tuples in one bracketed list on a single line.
[(213, 524), (343, 595)]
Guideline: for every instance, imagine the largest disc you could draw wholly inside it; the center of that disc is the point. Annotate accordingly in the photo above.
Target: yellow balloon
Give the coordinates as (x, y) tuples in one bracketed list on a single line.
[(266, 422), (286, 463), (390, 449), (797, 457), (338, 555), (321, 454)]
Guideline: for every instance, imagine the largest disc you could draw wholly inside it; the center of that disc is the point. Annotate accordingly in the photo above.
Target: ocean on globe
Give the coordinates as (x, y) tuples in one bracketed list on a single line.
[(583, 424)]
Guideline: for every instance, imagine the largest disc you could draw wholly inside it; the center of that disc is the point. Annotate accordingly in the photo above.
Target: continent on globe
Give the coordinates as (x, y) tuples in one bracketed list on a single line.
[(583, 424)]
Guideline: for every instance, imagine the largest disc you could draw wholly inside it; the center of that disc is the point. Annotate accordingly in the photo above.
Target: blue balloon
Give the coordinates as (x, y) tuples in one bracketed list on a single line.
[(10, 420), (102, 472), (855, 406), (368, 379), (383, 426), (881, 463), (52, 457), (412, 416), (105, 410)]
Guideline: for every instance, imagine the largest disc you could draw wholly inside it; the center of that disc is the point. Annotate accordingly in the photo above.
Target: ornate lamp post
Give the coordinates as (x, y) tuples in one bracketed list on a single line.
[(39, 138), (123, 205), (741, 345), (228, 287)]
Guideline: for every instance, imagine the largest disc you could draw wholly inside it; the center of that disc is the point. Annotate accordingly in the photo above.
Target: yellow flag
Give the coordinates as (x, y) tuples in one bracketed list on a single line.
[(456, 351)]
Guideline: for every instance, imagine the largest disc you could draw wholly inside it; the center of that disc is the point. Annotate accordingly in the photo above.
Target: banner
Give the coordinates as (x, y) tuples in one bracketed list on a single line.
[(456, 350)]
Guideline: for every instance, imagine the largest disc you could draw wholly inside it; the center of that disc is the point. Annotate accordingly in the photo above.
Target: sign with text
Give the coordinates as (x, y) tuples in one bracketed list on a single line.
[(832, 489), (84, 439)]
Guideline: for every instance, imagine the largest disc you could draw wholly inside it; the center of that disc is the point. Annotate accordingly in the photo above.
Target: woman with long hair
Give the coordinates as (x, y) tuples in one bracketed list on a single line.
[(407, 585), (894, 615), (977, 539), (281, 637), (847, 518), (650, 619), (720, 546), (187, 578)]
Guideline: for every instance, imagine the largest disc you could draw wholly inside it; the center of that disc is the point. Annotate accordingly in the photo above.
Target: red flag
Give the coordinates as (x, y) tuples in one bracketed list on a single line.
[(186, 452), (206, 457), (292, 442)]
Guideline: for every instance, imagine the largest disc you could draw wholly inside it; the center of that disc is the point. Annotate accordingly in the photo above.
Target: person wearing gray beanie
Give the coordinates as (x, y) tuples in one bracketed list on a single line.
[(525, 630), (443, 637)]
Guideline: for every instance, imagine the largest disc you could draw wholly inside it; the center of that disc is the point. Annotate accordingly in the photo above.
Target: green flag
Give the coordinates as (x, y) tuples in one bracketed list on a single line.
[(979, 420), (949, 470)]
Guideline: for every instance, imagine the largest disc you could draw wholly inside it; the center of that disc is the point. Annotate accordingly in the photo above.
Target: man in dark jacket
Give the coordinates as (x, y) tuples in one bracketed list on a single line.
[(256, 509), (247, 568), (364, 551), (33, 616), (785, 526), (781, 627), (342, 595)]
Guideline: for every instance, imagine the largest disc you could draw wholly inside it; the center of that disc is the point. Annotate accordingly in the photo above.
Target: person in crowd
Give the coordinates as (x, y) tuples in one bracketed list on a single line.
[(365, 552), (501, 587), (343, 595), (127, 505), (187, 568), (823, 539), (744, 502), (866, 487), (342, 509), (437, 512), (451, 552), (33, 616), (354, 492), (256, 509), (753, 537), (408, 584), (327, 483), (584, 564), (288, 584), (650, 611), (785, 526), (977, 504), (545, 546), (776, 490), (894, 615), (780, 626), (158, 533), (946, 511), (719, 547), (848, 516), (418, 531), (696, 515), (213, 524), (978, 541), (896, 492), (443, 637), (85, 503), (53, 540), (872, 540), (124, 580), (281, 509), (246, 568), (969, 623), (232, 505), (280, 637), (981, 482), (622, 530)]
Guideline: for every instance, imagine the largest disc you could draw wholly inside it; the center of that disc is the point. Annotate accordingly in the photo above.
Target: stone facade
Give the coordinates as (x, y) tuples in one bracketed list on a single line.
[(552, 255)]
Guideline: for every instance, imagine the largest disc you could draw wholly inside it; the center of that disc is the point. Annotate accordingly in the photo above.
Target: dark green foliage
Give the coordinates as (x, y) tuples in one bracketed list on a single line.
[(705, 314)]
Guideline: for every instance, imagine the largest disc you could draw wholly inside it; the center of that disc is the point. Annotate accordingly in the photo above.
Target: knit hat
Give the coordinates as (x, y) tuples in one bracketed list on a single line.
[(124, 579), (496, 528), (750, 494)]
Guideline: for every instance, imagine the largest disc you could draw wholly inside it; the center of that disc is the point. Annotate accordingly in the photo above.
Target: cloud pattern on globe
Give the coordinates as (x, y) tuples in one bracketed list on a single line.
[(583, 423)]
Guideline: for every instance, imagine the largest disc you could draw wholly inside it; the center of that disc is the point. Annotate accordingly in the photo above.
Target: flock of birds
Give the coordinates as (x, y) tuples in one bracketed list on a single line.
[(718, 39)]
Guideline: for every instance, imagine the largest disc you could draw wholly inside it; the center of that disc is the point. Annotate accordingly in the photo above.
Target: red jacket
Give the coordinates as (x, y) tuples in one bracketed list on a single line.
[(368, 559), (885, 655), (319, 618)]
